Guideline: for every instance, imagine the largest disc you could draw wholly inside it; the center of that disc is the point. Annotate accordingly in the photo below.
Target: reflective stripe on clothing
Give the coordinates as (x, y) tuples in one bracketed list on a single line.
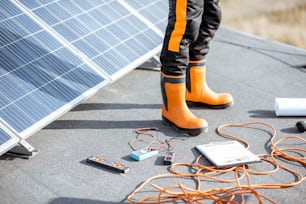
[(179, 27)]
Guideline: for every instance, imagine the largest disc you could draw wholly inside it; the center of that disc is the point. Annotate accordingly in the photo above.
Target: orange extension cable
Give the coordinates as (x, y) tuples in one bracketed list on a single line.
[(181, 193)]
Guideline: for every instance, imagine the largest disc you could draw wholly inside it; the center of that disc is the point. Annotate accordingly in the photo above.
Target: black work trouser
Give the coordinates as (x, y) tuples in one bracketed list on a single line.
[(191, 26)]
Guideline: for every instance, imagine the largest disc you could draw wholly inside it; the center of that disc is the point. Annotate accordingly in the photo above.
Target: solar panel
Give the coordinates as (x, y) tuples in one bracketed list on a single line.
[(40, 77), (7, 138), (105, 32), (56, 53), (155, 11)]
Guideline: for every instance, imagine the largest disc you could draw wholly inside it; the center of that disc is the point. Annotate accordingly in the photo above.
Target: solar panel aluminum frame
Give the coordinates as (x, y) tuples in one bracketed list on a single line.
[(13, 141), (58, 37), (58, 113), (149, 54), (107, 78), (142, 18), (124, 70), (68, 106), (158, 18)]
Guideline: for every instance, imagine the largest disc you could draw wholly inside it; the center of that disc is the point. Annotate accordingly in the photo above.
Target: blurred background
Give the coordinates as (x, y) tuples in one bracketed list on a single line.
[(280, 20)]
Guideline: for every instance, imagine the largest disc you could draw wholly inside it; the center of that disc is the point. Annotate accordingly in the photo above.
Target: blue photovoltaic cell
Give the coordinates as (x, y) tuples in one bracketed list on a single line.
[(4, 137), (155, 11), (38, 74), (105, 31), (7, 139)]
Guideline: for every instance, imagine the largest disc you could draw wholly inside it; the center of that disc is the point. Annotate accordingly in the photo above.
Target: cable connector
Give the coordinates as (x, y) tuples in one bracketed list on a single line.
[(169, 158)]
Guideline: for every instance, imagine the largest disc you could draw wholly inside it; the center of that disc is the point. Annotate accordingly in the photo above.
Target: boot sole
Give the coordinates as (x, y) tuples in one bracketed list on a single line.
[(192, 132), (205, 105)]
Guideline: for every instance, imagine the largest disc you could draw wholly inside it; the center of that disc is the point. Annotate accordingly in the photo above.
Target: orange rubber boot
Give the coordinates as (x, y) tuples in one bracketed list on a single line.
[(197, 90), (175, 112)]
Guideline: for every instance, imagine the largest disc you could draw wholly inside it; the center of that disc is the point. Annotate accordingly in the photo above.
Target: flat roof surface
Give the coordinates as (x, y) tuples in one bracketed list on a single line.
[(254, 70)]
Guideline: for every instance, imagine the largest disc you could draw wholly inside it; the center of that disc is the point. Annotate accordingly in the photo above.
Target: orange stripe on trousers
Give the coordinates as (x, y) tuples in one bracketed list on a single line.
[(179, 26)]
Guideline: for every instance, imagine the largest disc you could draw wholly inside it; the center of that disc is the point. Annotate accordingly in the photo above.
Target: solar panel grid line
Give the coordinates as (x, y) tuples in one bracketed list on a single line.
[(28, 44), (53, 116), (72, 101), (34, 102), (122, 58), (14, 54), (67, 42), (94, 37), (99, 41), (128, 39), (122, 54), (7, 138), (141, 17), (16, 120), (39, 102), (58, 23), (4, 138), (85, 25), (93, 43), (61, 39), (155, 11), (33, 74), (136, 63), (6, 126)]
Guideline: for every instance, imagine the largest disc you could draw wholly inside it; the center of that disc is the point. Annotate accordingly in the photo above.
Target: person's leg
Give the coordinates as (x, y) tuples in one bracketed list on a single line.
[(183, 27), (182, 30), (197, 88), (210, 23)]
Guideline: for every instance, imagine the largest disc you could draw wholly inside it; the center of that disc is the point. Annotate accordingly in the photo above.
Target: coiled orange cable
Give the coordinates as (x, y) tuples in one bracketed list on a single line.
[(230, 195)]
